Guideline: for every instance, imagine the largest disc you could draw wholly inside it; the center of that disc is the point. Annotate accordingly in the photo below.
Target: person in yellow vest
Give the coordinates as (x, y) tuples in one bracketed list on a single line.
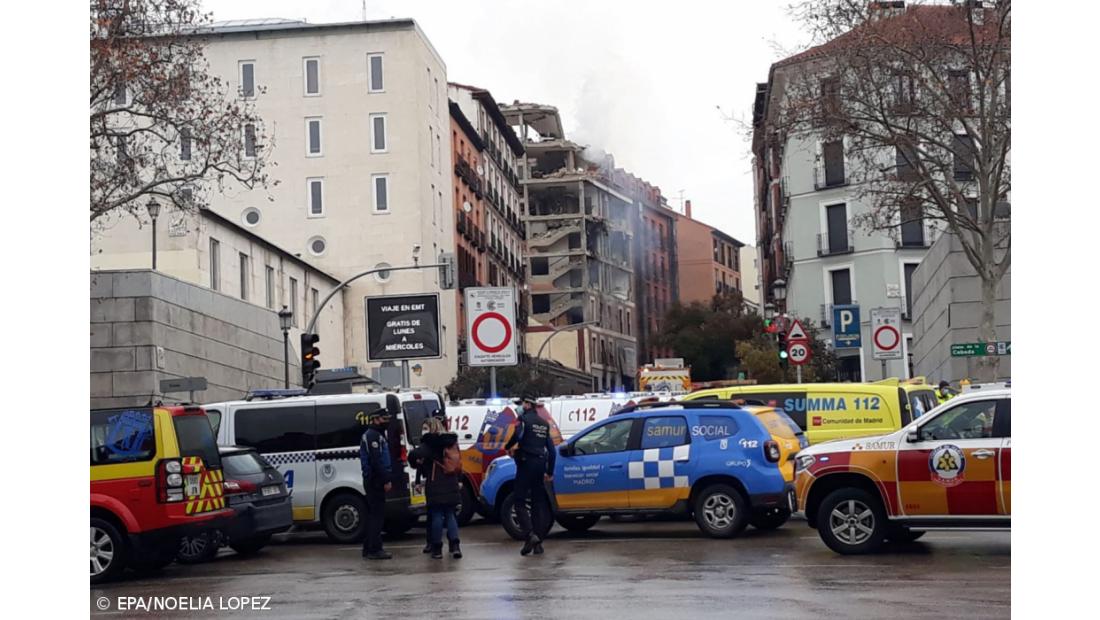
[(944, 392)]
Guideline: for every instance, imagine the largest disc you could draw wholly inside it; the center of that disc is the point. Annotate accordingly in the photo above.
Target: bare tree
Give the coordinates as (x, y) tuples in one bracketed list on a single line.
[(918, 100), (161, 124)]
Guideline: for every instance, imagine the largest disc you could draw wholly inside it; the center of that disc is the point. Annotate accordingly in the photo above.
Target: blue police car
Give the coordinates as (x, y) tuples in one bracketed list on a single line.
[(716, 461)]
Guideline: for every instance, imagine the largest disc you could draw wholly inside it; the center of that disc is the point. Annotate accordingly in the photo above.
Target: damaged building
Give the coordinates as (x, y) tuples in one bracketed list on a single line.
[(579, 233)]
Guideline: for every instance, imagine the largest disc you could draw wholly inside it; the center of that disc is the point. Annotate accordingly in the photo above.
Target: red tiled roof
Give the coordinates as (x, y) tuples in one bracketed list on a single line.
[(946, 24)]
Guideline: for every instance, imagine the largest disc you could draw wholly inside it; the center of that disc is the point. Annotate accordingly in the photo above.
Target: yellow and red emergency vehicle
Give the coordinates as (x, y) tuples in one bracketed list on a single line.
[(949, 468), (155, 477)]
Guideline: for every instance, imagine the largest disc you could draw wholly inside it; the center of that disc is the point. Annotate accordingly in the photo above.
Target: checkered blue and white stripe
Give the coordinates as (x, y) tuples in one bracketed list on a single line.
[(290, 458), (657, 469)]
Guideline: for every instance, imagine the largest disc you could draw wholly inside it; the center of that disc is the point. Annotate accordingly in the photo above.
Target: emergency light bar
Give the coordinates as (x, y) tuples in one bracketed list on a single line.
[(274, 393)]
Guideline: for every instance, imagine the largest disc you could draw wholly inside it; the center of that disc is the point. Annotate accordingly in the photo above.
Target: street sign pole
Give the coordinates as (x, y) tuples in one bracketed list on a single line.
[(798, 373), (492, 381), (406, 380)]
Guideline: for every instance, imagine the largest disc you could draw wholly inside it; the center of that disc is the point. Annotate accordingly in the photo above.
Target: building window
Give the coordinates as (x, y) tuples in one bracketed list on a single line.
[(312, 76), (294, 301), (430, 88), (959, 84), (248, 79), (830, 97), (185, 143), (120, 94), (834, 163), (269, 286), (836, 238), (906, 158), (375, 83), (381, 185), (249, 140), (841, 280), (315, 193), (912, 224), (907, 271), (244, 275), (215, 264), (378, 133), (963, 151), (313, 137), (431, 144)]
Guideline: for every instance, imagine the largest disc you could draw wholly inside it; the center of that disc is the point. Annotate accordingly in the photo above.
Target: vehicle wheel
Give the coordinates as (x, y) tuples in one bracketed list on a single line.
[(902, 535), (851, 521), (250, 545), (770, 520), (108, 552), (344, 518), (467, 507), (198, 549), (398, 527), (577, 523), (511, 523), (721, 511)]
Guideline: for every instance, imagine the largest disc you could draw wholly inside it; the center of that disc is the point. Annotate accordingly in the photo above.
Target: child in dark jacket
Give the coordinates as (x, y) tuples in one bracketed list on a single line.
[(438, 462)]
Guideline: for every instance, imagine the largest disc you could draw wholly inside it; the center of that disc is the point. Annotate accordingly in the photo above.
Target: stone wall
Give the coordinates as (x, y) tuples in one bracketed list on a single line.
[(947, 310), (146, 326)]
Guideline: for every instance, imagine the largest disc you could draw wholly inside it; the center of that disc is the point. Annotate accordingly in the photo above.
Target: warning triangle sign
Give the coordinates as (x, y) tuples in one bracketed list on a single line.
[(796, 332)]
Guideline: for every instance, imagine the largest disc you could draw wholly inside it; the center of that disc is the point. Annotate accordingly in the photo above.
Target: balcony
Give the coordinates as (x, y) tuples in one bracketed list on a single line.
[(827, 246), (788, 256), (460, 223), (784, 198), (829, 178)]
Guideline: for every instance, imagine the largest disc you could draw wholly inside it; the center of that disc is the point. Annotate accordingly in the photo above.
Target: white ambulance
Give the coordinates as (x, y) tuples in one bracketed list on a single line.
[(314, 441)]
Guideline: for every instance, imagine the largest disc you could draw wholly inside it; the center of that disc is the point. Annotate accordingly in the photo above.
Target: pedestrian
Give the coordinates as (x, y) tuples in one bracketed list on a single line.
[(534, 455), (374, 460), (944, 393), (439, 462)]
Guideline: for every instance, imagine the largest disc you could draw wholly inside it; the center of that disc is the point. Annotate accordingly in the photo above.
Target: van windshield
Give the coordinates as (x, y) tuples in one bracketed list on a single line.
[(196, 438), (416, 411)]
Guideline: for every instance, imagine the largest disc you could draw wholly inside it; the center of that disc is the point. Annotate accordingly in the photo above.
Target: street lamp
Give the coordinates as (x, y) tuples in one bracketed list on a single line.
[(285, 318), (779, 291), (769, 311), (153, 207)]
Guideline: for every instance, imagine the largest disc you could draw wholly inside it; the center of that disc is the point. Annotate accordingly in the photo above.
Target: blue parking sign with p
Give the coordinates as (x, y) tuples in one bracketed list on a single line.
[(846, 332)]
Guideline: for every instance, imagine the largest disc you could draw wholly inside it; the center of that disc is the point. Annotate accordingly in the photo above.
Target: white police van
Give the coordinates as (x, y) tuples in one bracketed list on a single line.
[(314, 442)]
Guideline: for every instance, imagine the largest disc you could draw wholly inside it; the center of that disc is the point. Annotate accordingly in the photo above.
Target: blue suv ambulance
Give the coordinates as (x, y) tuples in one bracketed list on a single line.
[(722, 463)]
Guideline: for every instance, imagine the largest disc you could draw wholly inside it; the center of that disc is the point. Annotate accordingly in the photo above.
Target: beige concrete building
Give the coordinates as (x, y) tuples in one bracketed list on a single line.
[(359, 120)]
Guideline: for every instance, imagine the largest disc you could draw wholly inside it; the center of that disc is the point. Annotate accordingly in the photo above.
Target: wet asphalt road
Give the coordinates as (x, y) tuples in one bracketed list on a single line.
[(616, 570)]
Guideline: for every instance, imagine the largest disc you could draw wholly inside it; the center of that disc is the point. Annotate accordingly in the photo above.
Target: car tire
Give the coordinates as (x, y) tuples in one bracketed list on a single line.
[(345, 518), (577, 523), (721, 511), (511, 525), (902, 535), (112, 551), (851, 521), (198, 549), (467, 508), (770, 520), (250, 546), (398, 527)]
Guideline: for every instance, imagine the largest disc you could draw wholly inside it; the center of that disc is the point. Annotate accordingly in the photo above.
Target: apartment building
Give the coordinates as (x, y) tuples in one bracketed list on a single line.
[(805, 204), (358, 113), (579, 234), (750, 278), (489, 236), (709, 260), (656, 276)]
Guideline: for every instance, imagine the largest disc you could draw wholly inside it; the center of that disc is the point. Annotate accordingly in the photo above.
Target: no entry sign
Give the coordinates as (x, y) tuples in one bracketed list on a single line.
[(886, 333), (491, 326)]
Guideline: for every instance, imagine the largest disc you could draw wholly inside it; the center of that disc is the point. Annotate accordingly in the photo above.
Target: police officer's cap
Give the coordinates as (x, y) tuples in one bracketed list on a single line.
[(944, 384), (380, 415), (530, 397)]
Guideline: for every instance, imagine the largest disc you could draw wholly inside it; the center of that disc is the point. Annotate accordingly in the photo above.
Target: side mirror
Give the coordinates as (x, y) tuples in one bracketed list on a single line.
[(565, 450), (393, 405), (912, 436)]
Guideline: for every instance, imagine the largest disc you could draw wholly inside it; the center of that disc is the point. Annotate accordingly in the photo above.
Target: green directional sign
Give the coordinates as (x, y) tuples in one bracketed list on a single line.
[(977, 349)]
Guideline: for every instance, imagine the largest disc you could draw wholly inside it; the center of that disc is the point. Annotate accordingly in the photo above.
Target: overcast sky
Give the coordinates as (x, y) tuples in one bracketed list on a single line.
[(641, 80)]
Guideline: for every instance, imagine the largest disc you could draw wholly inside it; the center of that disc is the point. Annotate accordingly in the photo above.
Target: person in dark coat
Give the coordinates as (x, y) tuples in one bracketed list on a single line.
[(438, 463), (374, 459), (532, 447)]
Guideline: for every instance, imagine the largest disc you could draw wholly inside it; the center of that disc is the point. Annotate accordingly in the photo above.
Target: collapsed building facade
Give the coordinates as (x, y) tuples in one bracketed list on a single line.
[(579, 234)]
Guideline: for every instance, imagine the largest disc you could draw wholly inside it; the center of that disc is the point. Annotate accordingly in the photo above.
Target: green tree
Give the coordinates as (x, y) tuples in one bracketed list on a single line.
[(473, 382), (704, 334), (760, 359)]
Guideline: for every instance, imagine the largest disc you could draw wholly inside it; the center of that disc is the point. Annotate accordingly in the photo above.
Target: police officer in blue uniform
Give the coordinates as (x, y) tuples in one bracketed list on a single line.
[(534, 455), (374, 459)]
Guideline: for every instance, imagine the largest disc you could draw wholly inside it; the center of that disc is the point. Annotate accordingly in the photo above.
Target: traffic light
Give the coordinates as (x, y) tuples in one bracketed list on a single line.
[(782, 341), (310, 363)]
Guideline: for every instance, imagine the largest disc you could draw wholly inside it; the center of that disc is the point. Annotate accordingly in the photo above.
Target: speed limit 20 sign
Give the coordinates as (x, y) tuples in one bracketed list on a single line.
[(798, 351), (491, 326)]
